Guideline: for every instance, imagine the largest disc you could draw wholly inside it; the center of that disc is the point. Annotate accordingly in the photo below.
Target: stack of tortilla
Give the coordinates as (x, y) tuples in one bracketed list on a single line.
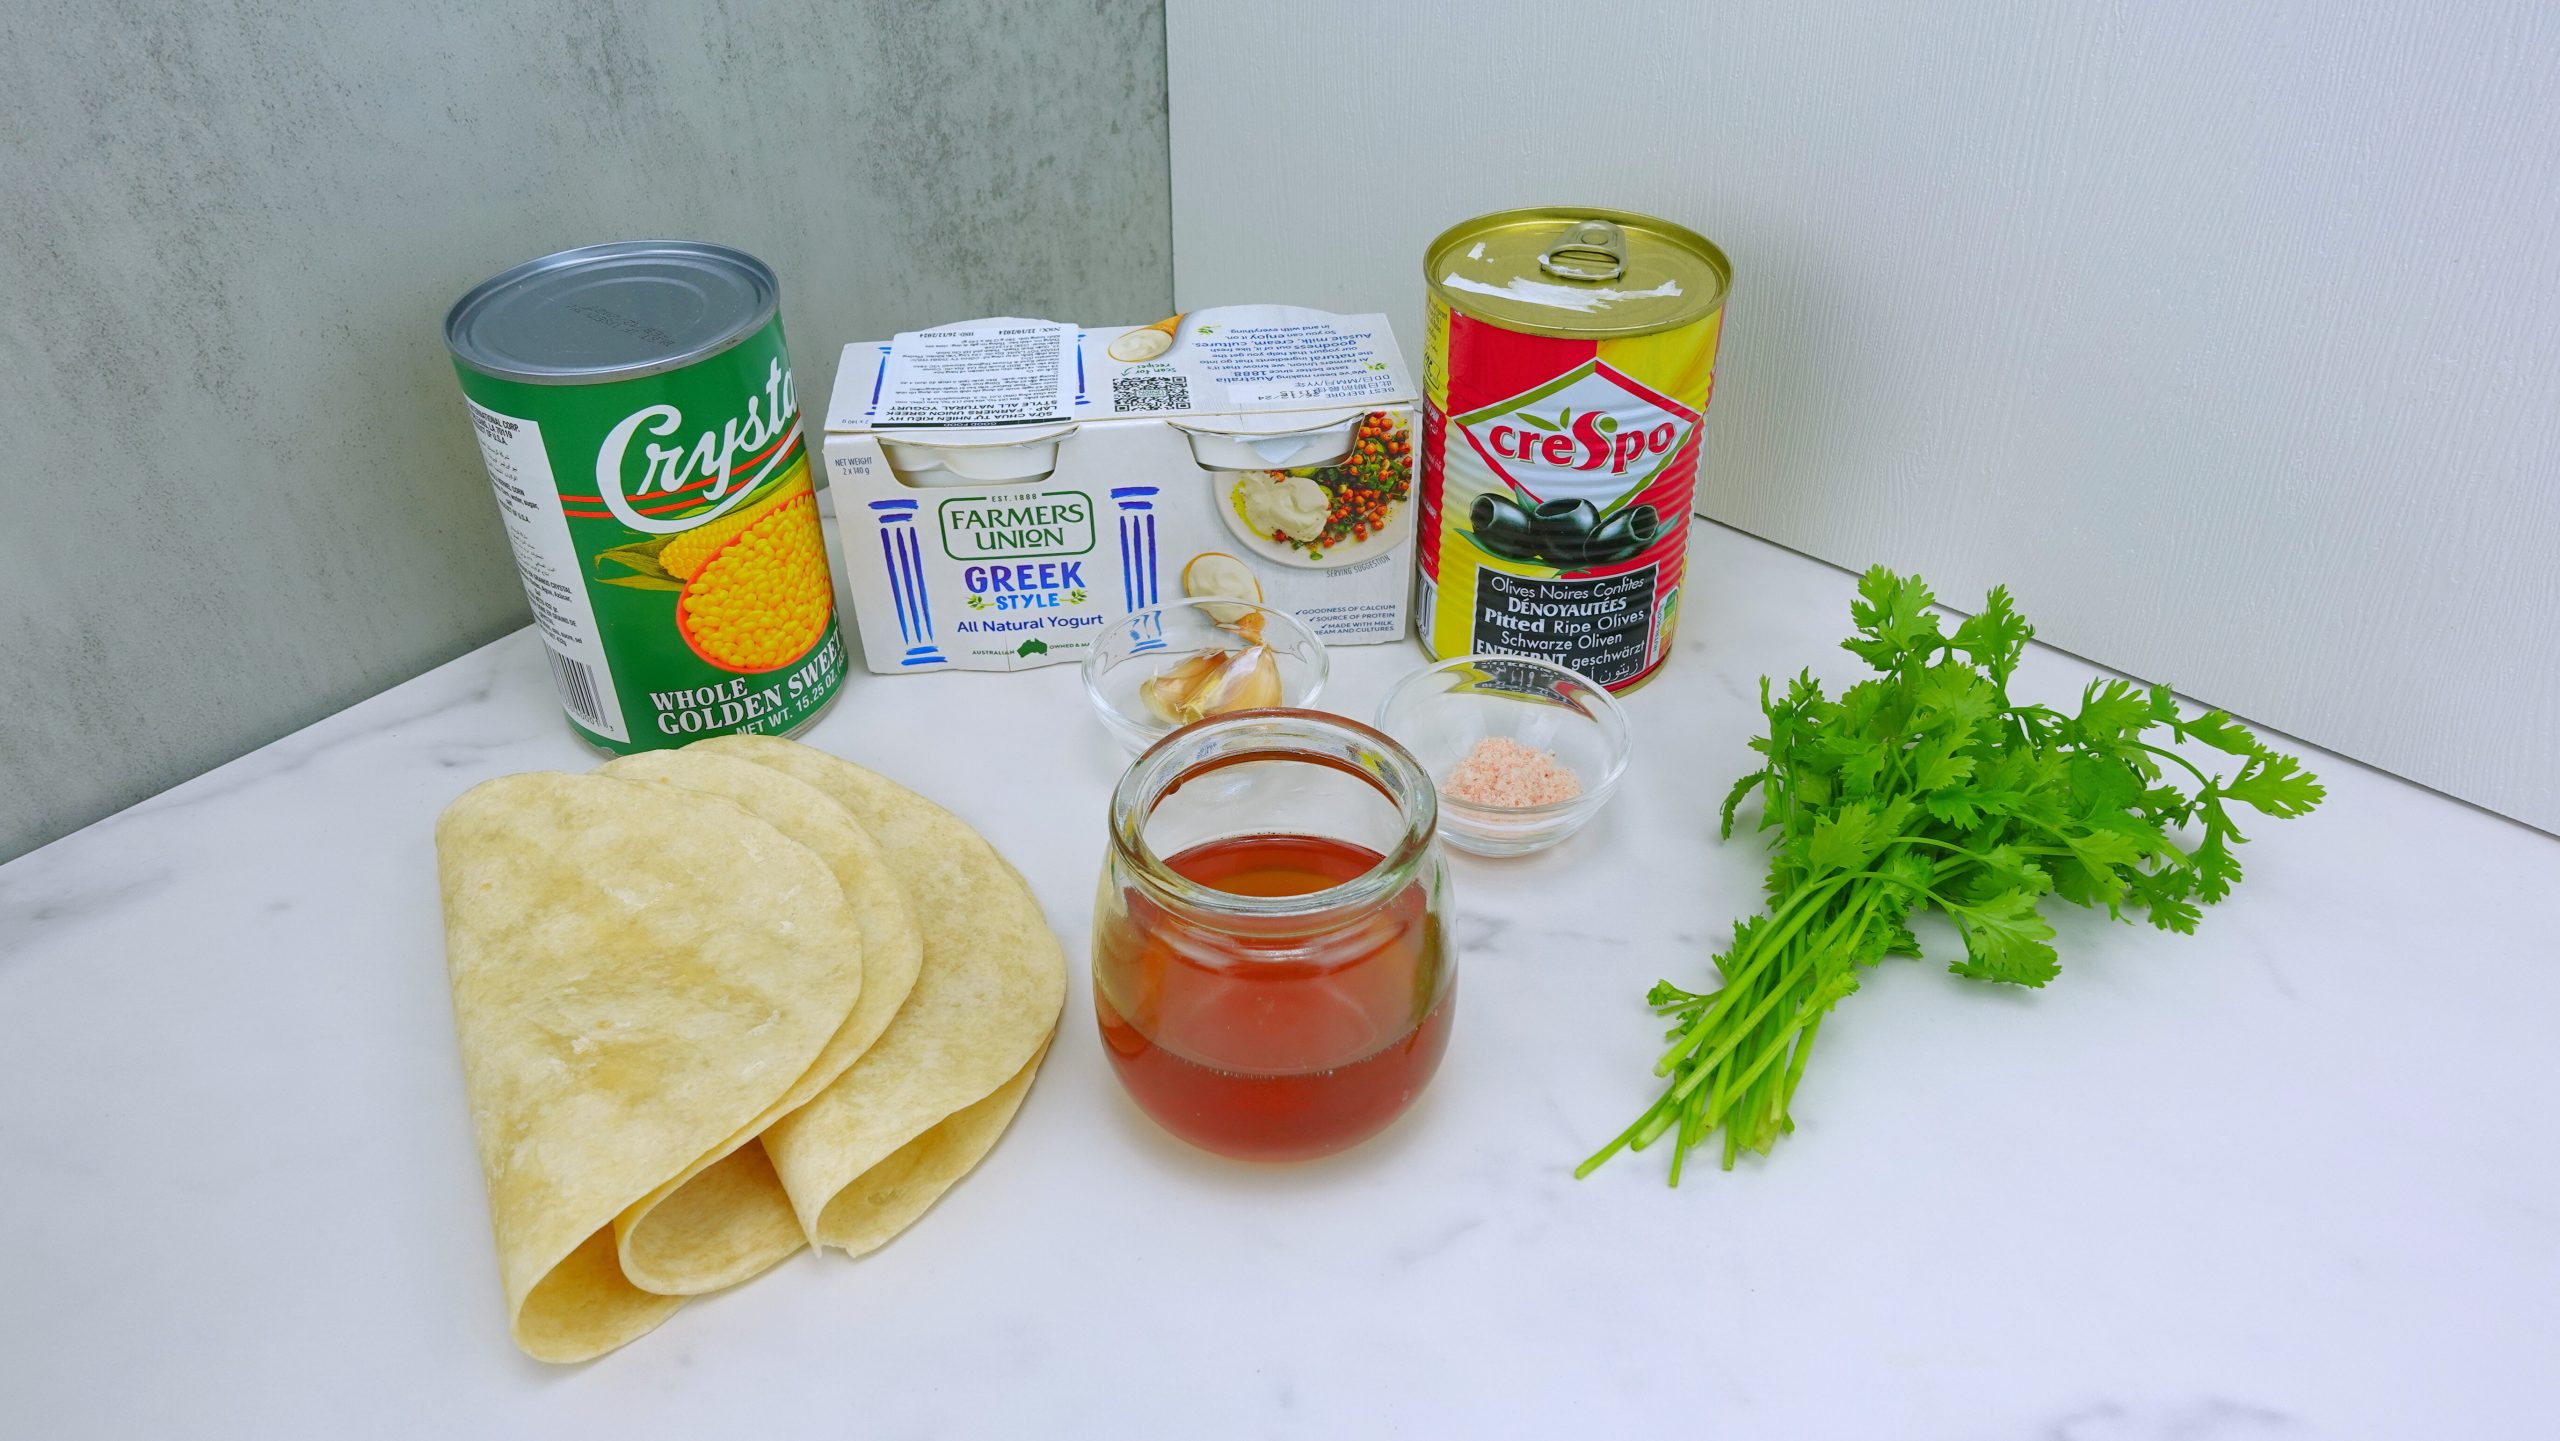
[(719, 1003)]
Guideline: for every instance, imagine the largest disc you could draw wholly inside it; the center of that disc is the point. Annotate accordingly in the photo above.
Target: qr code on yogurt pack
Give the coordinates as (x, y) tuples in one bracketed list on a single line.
[(1150, 392)]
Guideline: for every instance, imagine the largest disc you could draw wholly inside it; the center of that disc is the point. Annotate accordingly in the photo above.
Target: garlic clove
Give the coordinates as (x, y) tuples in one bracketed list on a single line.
[(1214, 682), (1167, 692), (1250, 680)]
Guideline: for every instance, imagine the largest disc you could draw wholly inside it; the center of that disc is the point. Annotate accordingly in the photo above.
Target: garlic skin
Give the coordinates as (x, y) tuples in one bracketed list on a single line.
[(1250, 680), (1166, 692), (1213, 682)]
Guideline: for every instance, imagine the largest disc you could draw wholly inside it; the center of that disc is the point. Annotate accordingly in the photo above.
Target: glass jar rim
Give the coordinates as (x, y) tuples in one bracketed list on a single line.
[(1239, 737)]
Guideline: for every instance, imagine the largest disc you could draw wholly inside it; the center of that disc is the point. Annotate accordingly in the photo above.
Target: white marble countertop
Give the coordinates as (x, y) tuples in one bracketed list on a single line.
[(2291, 1177)]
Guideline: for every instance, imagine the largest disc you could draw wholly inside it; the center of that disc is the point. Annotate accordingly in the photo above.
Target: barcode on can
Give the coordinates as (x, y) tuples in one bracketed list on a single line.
[(577, 683), (1150, 392)]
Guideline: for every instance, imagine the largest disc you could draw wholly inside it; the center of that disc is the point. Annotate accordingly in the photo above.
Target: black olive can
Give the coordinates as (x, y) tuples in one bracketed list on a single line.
[(1567, 361)]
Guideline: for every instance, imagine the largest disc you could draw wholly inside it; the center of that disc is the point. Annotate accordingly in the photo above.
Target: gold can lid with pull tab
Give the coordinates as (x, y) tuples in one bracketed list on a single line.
[(1578, 273)]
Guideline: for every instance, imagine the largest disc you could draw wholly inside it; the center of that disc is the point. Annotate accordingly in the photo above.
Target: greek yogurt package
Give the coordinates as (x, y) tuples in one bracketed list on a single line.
[(1004, 488)]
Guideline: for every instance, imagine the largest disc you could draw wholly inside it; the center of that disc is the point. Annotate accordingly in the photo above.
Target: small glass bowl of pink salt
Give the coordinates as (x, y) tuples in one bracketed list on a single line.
[(1525, 751)]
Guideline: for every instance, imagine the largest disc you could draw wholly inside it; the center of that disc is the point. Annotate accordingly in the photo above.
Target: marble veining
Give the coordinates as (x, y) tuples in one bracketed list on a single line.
[(2287, 1178), (2213, 1418)]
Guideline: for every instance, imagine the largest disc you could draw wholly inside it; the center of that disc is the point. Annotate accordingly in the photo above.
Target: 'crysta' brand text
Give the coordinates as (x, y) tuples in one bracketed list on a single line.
[(666, 469)]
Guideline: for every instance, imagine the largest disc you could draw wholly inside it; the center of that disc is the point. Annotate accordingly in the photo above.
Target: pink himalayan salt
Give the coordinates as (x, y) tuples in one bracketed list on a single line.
[(1501, 771)]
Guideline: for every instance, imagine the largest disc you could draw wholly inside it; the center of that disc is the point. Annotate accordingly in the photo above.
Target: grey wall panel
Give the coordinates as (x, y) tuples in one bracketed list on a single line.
[(236, 490), (2227, 336)]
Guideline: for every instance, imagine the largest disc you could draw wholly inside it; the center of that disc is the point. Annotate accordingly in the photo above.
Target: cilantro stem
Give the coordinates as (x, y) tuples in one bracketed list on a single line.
[(1795, 1063), (1618, 1144), (1770, 1055), (1762, 949), (1705, 1068), (2201, 778), (1661, 1120)]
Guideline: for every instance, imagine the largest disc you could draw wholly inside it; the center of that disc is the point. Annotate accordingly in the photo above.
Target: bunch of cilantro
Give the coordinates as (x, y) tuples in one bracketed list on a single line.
[(1927, 788)]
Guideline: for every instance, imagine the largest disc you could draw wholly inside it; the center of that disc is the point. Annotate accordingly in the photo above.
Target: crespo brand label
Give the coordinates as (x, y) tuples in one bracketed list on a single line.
[(1590, 433)]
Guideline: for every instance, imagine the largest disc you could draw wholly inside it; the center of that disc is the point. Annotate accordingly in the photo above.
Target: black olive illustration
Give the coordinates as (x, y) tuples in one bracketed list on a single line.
[(1614, 540), (1502, 527), (1562, 530), (1624, 535)]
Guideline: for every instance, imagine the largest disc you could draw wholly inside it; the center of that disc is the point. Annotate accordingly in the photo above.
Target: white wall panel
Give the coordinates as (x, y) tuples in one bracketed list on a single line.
[(2227, 336)]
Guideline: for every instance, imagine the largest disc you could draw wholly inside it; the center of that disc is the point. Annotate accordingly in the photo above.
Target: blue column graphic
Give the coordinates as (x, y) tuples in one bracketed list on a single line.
[(903, 557), (1138, 588)]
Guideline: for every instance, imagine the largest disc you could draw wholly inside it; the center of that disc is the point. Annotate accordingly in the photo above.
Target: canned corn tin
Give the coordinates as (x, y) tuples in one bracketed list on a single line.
[(634, 405), (1567, 360)]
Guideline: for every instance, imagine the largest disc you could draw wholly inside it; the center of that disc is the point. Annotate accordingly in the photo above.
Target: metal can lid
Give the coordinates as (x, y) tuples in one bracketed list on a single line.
[(611, 312), (1573, 272)]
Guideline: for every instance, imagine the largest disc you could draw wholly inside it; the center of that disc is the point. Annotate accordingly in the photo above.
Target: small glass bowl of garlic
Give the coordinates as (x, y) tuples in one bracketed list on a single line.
[(1157, 670)]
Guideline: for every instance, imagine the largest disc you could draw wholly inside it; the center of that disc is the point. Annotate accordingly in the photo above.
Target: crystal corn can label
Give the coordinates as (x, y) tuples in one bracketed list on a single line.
[(668, 537), (1558, 475)]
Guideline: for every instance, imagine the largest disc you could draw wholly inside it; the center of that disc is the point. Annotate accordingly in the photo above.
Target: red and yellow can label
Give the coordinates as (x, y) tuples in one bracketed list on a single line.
[(1557, 480)]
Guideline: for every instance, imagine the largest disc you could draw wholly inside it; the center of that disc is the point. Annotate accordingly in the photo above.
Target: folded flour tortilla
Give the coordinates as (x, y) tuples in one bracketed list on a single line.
[(639, 974), (923, 1105), (726, 1218)]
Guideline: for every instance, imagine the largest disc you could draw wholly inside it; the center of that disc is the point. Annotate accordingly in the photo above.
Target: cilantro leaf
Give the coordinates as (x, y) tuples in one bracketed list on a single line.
[(2217, 870), (1906, 877), (2148, 838), (1995, 636), (2218, 730), (2166, 804), (1734, 798), (2276, 785), (2163, 896), (2110, 711), (1938, 765), (1967, 806), (2006, 939), (2105, 850), (2104, 783), (1893, 613), (1849, 837)]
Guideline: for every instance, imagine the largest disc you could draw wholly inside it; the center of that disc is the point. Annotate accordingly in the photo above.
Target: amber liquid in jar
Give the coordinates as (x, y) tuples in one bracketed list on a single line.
[(1265, 1049)]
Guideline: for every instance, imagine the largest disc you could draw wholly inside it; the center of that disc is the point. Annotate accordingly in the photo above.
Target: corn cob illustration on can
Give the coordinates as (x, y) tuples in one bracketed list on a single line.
[(635, 407), (1567, 360)]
